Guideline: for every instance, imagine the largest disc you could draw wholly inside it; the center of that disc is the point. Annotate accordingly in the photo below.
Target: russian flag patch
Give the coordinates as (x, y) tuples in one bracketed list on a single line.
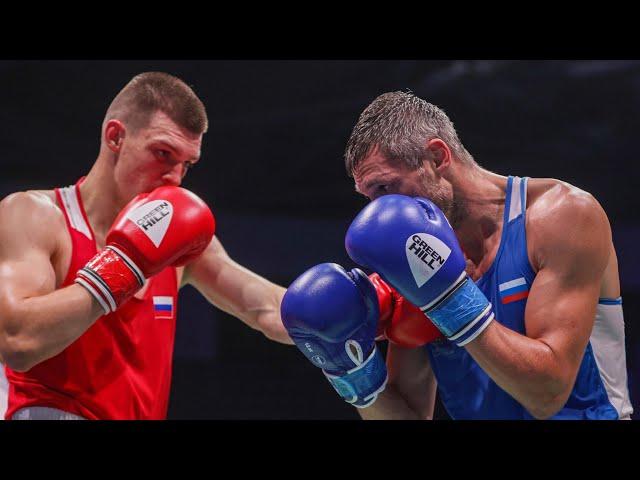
[(163, 307), (513, 290)]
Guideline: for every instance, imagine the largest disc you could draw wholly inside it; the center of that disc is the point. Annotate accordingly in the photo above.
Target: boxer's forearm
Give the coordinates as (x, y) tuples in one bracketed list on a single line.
[(271, 326), (37, 328), (525, 368), (390, 405), (410, 393), (238, 291), (247, 297), (266, 317)]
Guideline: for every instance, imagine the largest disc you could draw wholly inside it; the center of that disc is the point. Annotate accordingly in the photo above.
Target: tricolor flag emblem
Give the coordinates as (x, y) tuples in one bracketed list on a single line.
[(163, 307), (513, 290)]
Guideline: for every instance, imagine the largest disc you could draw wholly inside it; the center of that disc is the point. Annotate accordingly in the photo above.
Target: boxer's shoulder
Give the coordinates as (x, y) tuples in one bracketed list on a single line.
[(559, 213), (34, 199), (549, 198), (44, 195), (35, 204), (33, 214)]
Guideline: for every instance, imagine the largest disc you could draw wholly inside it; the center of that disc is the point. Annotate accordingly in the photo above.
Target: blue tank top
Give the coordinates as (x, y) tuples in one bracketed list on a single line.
[(466, 391)]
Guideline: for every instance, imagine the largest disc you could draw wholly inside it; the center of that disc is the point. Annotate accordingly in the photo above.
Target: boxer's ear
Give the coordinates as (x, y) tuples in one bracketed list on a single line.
[(113, 134), (439, 153)]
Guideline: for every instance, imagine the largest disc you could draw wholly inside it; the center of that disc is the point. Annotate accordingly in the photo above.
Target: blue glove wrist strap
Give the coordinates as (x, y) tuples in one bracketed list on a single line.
[(463, 314), (361, 385)]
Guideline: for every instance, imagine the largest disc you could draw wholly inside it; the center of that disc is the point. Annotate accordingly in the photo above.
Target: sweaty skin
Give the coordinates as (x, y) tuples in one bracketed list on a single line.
[(564, 225), (38, 319)]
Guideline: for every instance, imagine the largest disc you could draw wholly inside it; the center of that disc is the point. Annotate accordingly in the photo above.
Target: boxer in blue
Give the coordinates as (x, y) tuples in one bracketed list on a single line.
[(519, 277)]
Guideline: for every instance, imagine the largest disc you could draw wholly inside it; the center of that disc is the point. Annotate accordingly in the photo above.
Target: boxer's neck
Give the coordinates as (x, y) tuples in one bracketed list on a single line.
[(479, 199), (100, 198)]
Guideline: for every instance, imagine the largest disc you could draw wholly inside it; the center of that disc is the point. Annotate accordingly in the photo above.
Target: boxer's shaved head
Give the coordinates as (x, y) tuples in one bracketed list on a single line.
[(150, 92)]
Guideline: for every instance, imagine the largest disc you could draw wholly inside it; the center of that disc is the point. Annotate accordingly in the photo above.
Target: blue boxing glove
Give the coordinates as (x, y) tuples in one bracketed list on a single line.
[(332, 316), (410, 243)]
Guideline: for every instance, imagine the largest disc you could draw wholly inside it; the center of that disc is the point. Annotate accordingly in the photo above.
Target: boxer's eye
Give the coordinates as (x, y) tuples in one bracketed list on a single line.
[(382, 189), (163, 153)]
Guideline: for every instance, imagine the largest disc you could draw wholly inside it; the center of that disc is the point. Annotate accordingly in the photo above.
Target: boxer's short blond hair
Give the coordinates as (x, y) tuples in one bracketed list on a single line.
[(399, 124)]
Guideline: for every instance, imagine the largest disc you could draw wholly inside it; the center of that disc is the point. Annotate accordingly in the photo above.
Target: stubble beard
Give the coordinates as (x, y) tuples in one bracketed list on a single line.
[(447, 201)]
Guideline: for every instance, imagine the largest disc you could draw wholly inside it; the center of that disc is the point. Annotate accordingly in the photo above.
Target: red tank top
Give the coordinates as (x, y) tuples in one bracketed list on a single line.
[(120, 368)]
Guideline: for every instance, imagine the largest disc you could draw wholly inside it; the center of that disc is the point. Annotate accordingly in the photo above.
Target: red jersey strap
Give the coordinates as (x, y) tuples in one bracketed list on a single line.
[(78, 226), (71, 204)]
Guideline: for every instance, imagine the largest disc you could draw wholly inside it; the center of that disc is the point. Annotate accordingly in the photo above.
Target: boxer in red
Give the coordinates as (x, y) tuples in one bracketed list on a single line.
[(90, 273)]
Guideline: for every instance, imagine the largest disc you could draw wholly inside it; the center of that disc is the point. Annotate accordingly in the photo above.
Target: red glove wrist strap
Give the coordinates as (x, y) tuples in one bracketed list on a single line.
[(112, 278)]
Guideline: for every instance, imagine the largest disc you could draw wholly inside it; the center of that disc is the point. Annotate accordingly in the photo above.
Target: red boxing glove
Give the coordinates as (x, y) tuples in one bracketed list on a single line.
[(168, 227), (400, 321)]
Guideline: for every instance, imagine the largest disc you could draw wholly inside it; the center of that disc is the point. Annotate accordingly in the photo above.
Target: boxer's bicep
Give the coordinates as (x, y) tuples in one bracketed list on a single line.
[(26, 246), (573, 249), (27, 243)]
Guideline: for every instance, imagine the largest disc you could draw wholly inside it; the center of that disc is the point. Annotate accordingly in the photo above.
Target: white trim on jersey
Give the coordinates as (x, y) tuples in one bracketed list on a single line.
[(4, 392), (515, 207), (44, 413), (71, 205), (607, 342), (524, 191)]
